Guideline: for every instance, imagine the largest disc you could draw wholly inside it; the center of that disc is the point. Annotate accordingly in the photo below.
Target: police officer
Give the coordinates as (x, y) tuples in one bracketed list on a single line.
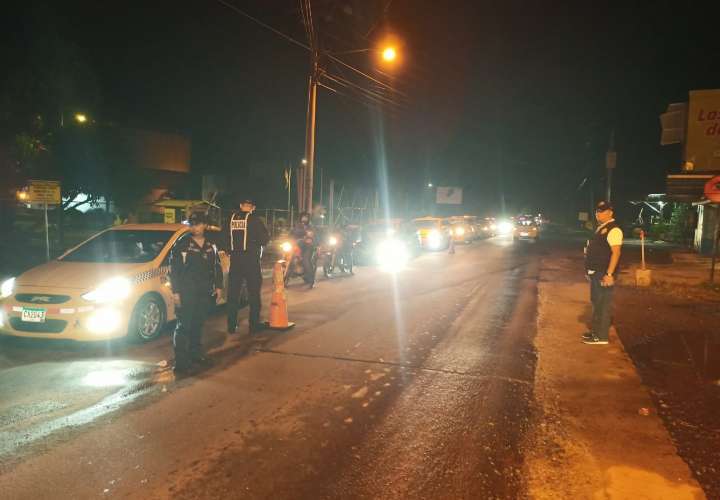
[(196, 278), (247, 235), (602, 258)]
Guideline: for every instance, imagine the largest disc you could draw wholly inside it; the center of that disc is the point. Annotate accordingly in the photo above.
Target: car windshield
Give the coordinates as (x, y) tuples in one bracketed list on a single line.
[(129, 247)]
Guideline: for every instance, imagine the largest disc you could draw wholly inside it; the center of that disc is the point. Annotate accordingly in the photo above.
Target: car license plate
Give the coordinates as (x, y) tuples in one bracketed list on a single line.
[(524, 234), (33, 315)]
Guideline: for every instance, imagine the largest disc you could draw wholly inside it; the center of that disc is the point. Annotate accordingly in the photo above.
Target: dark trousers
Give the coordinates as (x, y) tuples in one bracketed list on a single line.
[(601, 298), (244, 267), (187, 340)]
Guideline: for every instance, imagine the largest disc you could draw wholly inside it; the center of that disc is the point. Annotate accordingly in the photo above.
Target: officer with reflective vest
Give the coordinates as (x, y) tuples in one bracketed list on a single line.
[(246, 237), (196, 279), (602, 259)]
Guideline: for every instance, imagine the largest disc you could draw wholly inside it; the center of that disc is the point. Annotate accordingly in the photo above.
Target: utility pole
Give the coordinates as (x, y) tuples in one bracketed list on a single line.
[(610, 163), (310, 137)]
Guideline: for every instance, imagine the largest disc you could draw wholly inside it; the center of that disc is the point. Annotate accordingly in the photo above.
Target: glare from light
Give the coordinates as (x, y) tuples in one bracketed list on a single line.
[(2, 318), (505, 227), (332, 241), (81, 118), (113, 377), (103, 321), (430, 184), (112, 290), (392, 256), (7, 287), (434, 239), (304, 161), (460, 231), (389, 54), (286, 246), (22, 195)]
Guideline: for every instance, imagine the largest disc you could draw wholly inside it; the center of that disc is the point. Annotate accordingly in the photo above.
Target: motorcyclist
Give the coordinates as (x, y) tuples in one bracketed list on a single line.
[(345, 248), (307, 239)]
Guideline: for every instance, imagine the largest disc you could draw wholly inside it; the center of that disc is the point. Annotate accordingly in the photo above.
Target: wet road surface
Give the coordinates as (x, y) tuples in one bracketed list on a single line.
[(415, 385)]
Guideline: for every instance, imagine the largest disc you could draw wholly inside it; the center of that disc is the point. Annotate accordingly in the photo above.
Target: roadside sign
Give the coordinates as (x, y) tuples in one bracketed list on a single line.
[(47, 192), (169, 214), (448, 195)]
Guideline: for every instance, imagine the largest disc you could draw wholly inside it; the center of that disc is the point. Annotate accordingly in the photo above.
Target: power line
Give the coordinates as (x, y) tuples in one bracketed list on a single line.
[(264, 25)]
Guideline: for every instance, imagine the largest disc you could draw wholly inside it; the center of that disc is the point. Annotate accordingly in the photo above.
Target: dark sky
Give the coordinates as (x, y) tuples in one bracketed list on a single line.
[(511, 97)]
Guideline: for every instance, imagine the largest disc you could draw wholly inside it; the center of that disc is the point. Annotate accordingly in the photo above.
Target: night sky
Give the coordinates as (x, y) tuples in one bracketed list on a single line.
[(517, 98)]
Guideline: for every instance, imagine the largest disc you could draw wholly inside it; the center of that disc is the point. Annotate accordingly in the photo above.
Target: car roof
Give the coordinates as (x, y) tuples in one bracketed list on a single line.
[(149, 227)]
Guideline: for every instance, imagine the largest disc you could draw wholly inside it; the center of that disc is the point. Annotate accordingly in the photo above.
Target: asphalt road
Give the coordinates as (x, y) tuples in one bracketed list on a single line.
[(415, 385)]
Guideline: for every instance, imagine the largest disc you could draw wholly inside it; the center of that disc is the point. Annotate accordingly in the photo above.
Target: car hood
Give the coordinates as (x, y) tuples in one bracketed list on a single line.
[(74, 275)]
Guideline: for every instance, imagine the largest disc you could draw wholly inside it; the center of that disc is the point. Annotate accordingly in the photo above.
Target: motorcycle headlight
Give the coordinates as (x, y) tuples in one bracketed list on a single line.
[(112, 290), (332, 241), (7, 287), (505, 227), (286, 246)]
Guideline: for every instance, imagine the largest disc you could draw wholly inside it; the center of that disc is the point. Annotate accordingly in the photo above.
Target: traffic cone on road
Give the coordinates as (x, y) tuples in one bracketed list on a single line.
[(278, 302)]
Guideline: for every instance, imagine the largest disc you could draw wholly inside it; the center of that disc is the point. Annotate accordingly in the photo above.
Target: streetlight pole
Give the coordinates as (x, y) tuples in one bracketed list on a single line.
[(310, 136)]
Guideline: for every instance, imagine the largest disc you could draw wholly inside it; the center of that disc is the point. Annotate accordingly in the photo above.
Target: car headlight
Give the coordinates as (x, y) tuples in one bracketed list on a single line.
[(505, 227), (112, 290), (392, 255), (7, 287), (286, 246)]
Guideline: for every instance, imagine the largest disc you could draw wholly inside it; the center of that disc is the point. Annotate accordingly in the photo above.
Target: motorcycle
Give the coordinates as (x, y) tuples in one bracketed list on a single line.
[(297, 262), (337, 253)]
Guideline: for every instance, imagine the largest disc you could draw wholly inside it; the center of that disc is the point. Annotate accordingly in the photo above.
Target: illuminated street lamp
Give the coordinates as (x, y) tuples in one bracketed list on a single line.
[(389, 54), (81, 118)]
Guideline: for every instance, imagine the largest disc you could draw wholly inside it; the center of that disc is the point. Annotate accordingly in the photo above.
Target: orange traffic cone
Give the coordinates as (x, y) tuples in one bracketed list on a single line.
[(278, 302)]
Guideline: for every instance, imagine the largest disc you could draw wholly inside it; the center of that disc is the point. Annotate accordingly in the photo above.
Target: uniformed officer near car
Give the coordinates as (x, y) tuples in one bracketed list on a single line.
[(602, 264), (246, 237), (196, 279)]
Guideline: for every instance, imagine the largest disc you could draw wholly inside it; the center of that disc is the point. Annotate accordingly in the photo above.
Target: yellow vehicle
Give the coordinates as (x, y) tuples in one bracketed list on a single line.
[(114, 284), (526, 230), (464, 228), (433, 233)]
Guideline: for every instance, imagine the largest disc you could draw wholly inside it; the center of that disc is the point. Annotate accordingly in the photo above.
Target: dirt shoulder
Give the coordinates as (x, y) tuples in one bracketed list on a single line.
[(598, 434)]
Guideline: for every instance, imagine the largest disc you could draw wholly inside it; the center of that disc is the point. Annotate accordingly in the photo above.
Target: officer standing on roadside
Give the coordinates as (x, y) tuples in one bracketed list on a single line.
[(196, 279), (602, 258), (247, 235)]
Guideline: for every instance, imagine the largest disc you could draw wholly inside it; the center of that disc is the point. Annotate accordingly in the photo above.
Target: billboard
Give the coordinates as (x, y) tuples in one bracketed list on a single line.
[(448, 196), (703, 131)]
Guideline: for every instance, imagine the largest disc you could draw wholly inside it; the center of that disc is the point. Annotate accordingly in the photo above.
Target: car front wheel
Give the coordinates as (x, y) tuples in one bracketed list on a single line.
[(147, 320)]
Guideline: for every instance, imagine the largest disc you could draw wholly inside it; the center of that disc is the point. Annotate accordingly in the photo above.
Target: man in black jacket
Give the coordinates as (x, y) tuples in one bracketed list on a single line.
[(246, 236), (602, 258), (196, 278)]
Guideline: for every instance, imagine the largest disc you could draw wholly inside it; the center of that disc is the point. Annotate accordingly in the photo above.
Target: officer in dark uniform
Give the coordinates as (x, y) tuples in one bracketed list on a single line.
[(602, 265), (247, 235), (307, 238), (196, 279)]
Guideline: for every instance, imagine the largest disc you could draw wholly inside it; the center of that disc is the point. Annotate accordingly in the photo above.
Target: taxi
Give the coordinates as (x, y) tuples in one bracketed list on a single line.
[(433, 233), (114, 284), (526, 230)]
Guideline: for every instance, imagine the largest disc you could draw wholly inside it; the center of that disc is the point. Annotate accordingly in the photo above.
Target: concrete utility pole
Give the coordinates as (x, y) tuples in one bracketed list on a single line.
[(610, 163), (309, 164)]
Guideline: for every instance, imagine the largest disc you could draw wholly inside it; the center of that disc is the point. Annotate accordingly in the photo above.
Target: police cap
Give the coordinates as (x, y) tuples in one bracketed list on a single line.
[(603, 205)]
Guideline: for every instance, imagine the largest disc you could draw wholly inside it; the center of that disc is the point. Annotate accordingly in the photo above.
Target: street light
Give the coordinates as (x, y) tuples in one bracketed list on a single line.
[(81, 118), (389, 54)]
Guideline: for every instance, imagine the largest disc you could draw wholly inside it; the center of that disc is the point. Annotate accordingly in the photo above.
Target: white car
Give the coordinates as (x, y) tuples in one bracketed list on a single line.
[(112, 285)]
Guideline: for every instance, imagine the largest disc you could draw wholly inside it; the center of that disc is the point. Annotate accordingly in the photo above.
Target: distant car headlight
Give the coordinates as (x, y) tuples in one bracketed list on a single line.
[(505, 228), (286, 246), (332, 241), (434, 238), (460, 231), (7, 287), (112, 290), (392, 255)]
